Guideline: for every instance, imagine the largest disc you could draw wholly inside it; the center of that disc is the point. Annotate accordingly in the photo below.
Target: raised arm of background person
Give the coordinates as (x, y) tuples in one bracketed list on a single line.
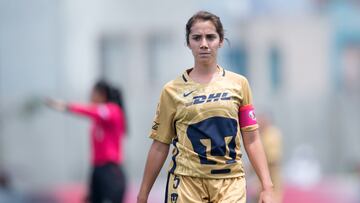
[(256, 154), (55, 104), (155, 160), (96, 111), (100, 112)]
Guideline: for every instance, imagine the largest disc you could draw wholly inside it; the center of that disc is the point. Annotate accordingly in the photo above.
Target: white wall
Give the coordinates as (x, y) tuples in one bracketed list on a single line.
[(53, 49)]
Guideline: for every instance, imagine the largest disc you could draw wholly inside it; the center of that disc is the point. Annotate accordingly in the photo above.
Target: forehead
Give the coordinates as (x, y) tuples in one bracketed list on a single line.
[(203, 27)]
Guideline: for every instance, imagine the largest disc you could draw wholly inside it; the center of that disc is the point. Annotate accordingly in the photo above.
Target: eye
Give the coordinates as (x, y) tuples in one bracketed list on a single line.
[(211, 37), (196, 37)]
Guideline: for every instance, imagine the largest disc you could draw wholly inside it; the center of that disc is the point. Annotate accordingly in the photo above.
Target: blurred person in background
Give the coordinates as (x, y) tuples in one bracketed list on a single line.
[(203, 113), (272, 141), (7, 195), (4, 180), (106, 110), (4, 187)]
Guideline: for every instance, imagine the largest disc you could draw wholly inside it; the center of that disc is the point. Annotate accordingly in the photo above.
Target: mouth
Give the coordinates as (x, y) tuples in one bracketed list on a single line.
[(205, 54)]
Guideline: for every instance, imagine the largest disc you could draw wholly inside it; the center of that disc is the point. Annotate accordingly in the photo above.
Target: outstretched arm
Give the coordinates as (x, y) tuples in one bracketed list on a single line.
[(93, 111), (56, 104), (256, 154), (155, 160)]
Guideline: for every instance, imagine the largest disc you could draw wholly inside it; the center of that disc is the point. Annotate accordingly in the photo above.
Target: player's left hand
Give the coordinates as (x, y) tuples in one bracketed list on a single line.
[(267, 196)]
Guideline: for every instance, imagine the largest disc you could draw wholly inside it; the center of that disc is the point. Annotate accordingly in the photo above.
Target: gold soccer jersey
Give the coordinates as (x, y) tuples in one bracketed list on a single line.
[(201, 121)]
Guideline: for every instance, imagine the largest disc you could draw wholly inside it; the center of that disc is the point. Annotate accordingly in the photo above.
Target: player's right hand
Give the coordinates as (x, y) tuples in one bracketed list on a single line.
[(141, 199), (56, 104)]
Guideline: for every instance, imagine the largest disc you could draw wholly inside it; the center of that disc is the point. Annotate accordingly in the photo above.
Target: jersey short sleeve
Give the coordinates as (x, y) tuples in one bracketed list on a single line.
[(163, 128), (247, 108)]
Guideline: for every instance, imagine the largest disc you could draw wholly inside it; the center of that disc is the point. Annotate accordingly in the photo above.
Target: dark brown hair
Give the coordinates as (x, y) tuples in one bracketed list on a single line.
[(112, 94), (205, 16)]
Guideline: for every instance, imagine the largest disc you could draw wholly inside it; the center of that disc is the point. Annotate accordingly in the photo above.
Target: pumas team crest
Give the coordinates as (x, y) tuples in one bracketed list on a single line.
[(174, 197)]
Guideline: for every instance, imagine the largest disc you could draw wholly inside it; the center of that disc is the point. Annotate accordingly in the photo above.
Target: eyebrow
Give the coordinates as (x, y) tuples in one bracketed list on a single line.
[(196, 35)]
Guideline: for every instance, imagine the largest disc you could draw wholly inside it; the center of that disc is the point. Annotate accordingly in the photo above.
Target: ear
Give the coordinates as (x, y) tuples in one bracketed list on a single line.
[(221, 43)]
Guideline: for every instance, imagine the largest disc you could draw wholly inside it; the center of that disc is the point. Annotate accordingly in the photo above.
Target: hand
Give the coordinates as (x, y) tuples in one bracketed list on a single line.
[(56, 104), (267, 196), (141, 199)]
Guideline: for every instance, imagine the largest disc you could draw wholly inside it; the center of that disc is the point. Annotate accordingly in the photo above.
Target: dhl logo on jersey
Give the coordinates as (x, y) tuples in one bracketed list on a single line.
[(200, 99), (210, 98)]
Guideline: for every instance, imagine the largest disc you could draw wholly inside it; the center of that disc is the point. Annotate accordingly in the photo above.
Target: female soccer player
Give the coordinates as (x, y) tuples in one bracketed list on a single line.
[(107, 133), (204, 113)]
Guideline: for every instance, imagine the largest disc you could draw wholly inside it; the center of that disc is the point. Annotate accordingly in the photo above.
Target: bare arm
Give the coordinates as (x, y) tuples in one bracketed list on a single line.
[(155, 160), (56, 104), (91, 111), (256, 154)]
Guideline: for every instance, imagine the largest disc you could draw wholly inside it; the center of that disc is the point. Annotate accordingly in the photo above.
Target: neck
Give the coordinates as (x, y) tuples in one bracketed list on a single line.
[(203, 73), (205, 69)]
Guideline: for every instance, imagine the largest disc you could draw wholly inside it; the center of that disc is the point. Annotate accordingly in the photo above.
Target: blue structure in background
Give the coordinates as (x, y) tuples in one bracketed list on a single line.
[(275, 68), (236, 59), (345, 19)]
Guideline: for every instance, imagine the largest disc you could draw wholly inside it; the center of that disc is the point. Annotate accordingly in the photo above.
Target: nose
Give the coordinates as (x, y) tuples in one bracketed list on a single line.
[(204, 44)]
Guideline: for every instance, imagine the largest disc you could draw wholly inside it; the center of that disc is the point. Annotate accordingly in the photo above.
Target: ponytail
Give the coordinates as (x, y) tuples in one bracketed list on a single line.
[(115, 96)]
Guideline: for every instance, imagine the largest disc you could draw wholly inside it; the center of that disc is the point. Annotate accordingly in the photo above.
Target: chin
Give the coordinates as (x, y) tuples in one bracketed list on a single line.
[(205, 60)]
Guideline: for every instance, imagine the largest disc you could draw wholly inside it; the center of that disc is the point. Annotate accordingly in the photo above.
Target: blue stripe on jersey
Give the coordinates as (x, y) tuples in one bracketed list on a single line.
[(220, 171), (175, 141), (166, 189)]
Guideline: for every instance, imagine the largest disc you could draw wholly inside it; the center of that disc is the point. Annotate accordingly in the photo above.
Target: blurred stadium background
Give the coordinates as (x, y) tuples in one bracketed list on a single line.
[(302, 58)]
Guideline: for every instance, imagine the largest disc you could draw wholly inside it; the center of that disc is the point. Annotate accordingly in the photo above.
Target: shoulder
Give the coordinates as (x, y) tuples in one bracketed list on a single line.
[(235, 76), (111, 107), (174, 85), (169, 88), (104, 110), (112, 110)]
